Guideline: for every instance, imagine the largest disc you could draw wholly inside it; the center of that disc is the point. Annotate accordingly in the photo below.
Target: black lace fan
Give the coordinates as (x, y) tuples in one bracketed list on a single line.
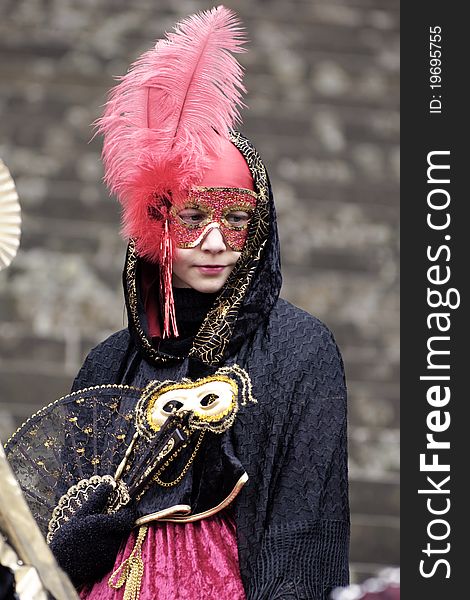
[(88, 437)]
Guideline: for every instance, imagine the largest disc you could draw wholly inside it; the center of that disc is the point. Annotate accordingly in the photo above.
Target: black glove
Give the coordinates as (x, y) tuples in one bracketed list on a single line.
[(86, 546)]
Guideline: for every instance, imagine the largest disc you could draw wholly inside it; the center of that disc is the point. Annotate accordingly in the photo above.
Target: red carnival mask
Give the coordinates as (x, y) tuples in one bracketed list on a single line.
[(227, 209)]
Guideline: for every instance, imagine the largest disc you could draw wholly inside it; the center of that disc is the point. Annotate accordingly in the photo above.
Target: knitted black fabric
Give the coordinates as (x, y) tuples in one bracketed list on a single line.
[(86, 546), (191, 307), (292, 516)]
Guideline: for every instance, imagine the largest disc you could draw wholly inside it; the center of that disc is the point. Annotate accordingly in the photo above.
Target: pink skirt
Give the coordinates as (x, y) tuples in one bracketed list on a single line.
[(182, 561)]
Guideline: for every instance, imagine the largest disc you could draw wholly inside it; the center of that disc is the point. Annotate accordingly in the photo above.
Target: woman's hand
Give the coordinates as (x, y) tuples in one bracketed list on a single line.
[(86, 545)]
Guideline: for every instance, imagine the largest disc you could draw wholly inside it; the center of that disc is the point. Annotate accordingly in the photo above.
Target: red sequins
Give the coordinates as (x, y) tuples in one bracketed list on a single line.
[(228, 209)]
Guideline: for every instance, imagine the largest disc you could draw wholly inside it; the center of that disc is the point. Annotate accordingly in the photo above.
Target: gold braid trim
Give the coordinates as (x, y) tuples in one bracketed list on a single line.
[(131, 570)]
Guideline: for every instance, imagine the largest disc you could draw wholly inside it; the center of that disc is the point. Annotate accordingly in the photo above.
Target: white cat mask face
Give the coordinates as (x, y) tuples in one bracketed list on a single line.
[(211, 400)]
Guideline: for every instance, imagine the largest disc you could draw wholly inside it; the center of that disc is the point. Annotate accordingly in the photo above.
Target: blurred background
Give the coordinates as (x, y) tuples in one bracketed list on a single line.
[(322, 110)]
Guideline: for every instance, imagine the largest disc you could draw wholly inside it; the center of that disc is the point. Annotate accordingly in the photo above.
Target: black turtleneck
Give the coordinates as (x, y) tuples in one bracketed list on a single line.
[(191, 307)]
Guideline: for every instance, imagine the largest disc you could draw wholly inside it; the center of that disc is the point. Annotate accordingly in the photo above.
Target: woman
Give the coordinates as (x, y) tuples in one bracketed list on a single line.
[(258, 508)]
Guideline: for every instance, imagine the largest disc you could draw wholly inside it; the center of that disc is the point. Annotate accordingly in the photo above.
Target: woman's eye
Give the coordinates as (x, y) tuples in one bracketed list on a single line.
[(238, 218), (191, 216)]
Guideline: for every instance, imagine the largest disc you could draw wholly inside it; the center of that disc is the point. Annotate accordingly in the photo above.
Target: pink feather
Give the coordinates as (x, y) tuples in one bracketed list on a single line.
[(164, 121)]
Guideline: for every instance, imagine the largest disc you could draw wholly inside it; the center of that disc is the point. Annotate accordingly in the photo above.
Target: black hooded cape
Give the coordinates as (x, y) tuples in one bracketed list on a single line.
[(292, 515)]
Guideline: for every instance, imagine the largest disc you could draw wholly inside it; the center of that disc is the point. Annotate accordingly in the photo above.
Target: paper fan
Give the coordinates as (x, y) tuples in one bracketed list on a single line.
[(74, 444), (10, 217)]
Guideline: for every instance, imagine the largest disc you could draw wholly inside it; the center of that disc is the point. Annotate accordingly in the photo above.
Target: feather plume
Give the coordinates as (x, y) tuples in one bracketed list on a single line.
[(164, 121)]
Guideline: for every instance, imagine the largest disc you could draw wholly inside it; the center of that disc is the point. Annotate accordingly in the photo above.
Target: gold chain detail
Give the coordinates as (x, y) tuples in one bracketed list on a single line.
[(131, 570), (167, 484)]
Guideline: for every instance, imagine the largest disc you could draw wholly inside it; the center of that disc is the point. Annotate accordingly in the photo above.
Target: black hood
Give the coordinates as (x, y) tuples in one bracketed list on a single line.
[(245, 300)]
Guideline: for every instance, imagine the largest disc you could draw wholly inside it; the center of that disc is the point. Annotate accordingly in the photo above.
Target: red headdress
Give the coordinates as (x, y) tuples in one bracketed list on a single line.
[(166, 124)]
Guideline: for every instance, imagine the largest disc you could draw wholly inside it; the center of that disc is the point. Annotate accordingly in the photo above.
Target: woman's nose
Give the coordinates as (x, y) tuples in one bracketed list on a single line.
[(214, 241)]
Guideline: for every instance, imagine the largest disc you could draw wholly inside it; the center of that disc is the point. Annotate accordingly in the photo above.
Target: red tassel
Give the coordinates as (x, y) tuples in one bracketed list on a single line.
[(166, 287)]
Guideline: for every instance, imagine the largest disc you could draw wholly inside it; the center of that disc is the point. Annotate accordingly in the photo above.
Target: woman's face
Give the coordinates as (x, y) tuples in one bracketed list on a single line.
[(206, 266)]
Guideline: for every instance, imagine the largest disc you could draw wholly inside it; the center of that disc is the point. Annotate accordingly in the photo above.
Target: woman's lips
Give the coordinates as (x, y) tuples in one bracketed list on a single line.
[(211, 269)]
